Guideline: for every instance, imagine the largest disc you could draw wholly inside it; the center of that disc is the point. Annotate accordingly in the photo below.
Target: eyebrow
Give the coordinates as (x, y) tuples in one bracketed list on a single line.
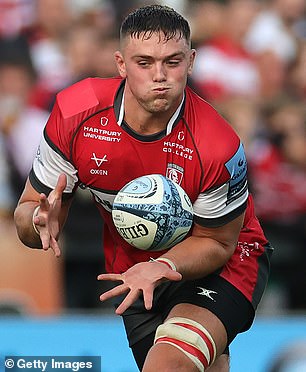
[(176, 54)]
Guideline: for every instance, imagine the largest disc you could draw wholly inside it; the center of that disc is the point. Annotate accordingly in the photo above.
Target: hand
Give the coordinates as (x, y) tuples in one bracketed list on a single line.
[(143, 278), (47, 219)]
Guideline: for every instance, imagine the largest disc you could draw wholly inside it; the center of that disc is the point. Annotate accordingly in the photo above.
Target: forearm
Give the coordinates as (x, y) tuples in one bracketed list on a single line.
[(196, 257), (23, 218), (206, 250)]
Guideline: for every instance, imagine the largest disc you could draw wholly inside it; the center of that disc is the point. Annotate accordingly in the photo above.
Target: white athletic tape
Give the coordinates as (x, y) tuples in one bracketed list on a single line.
[(191, 338), (35, 213), (166, 261)]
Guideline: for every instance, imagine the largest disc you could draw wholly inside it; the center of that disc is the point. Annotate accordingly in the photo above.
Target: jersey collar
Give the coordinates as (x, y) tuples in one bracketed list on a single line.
[(119, 112)]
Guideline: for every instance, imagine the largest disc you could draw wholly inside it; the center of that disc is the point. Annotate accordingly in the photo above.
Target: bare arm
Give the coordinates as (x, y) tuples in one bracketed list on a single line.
[(48, 220), (207, 250)]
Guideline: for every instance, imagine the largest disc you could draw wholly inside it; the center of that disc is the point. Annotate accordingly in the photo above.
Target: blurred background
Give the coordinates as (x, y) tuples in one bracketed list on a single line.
[(250, 65)]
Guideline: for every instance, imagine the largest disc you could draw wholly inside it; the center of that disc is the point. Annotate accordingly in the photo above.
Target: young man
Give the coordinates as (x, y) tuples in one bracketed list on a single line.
[(196, 297)]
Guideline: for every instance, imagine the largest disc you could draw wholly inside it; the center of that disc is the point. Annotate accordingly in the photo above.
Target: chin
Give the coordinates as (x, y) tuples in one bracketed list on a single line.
[(160, 105)]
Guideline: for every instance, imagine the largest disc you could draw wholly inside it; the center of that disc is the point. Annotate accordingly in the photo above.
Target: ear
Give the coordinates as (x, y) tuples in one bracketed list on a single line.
[(191, 61), (120, 64)]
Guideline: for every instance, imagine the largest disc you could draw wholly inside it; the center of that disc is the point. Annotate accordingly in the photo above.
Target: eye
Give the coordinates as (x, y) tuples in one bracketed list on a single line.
[(143, 63), (173, 62)]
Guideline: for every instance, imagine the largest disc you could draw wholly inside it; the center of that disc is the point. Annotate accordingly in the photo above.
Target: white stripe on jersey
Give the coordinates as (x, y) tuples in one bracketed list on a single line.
[(48, 165), (214, 204), (174, 117), (170, 123)]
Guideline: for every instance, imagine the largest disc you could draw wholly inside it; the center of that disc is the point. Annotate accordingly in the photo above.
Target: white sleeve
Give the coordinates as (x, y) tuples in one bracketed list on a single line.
[(214, 204), (49, 164), (221, 204)]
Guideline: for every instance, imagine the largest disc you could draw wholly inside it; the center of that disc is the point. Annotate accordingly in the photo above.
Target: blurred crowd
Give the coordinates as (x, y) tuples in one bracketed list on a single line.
[(250, 65)]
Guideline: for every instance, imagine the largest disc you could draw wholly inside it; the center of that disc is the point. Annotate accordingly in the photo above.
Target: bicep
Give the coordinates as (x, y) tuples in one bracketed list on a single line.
[(227, 235), (29, 194)]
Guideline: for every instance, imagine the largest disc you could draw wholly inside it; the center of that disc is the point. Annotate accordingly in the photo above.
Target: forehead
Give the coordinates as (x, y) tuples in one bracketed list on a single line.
[(154, 42)]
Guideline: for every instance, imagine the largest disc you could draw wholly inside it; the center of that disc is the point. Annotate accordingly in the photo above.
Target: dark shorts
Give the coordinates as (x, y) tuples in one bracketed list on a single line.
[(213, 293)]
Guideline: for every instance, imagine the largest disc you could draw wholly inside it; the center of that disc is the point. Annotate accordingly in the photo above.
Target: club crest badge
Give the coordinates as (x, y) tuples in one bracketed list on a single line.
[(175, 173)]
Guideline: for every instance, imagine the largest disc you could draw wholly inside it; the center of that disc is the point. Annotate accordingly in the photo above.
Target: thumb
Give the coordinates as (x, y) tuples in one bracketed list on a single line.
[(56, 194), (173, 275), (61, 184)]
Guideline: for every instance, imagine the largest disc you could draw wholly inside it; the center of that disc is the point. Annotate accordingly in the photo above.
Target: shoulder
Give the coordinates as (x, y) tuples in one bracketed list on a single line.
[(199, 109), (212, 134), (75, 104), (87, 94)]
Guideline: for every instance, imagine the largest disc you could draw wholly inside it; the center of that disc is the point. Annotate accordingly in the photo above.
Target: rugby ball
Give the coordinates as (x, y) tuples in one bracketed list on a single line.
[(152, 213)]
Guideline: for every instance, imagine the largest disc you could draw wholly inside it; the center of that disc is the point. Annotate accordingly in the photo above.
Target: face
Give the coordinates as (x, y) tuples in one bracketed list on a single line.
[(156, 71)]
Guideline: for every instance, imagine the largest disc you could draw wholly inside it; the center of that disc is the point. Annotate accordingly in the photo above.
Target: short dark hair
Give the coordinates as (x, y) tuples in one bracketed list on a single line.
[(147, 20)]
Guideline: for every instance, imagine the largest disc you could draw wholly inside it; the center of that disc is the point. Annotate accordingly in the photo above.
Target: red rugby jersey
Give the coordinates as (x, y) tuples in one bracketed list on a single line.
[(86, 138)]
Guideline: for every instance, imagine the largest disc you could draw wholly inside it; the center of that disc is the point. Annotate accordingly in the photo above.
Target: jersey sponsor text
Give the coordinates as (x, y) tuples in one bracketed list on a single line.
[(102, 134)]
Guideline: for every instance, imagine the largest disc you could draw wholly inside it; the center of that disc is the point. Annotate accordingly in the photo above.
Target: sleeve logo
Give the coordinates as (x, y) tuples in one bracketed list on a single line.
[(237, 168)]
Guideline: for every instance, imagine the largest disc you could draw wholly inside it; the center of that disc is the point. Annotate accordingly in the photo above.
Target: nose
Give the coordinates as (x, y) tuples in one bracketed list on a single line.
[(159, 73)]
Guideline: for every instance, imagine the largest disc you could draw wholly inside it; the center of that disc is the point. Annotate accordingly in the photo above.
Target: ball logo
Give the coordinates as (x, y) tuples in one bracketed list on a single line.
[(187, 200), (118, 218), (120, 198), (134, 232)]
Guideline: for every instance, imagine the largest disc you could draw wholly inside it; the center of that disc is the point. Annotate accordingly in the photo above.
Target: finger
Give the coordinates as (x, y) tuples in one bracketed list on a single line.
[(43, 203), (128, 301), (120, 289), (55, 247), (112, 277), (39, 219), (60, 186), (36, 220), (173, 275), (45, 239), (148, 299)]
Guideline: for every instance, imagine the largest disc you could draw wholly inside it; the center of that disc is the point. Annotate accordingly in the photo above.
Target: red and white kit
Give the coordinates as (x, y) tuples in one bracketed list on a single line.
[(87, 139)]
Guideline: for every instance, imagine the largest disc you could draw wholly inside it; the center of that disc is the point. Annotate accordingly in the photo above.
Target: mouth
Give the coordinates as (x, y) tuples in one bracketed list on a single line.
[(161, 90)]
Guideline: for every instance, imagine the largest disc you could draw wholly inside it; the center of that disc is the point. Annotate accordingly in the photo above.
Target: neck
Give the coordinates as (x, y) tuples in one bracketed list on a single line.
[(143, 121), (146, 123)]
